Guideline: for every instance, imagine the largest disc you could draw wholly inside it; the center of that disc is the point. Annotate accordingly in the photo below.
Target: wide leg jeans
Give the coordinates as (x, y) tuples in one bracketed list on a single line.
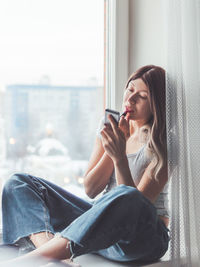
[(121, 225)]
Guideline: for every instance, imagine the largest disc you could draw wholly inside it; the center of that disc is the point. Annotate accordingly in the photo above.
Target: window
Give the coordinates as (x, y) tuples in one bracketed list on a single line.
[(51, 82), (117, 51)]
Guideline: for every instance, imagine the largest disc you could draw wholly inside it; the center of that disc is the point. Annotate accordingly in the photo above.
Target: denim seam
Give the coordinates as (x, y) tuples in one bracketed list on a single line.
[(46, 220)]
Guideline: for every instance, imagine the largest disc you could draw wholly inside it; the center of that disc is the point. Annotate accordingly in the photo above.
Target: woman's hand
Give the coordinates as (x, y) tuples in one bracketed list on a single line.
[(124, 126), (114, 140)]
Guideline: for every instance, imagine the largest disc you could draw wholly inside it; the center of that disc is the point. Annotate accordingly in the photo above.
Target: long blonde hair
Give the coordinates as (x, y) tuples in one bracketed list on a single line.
[(154, 133)]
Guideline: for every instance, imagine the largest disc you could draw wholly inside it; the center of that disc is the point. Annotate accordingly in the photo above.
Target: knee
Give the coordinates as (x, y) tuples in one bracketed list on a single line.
[(14, 181), (127, 192)]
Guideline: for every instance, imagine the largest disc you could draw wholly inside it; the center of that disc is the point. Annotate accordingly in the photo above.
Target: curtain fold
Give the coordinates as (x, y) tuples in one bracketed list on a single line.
[(183, 129)]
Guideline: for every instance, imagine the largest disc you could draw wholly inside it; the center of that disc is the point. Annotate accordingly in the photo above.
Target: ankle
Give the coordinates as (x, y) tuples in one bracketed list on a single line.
[(39, 239)]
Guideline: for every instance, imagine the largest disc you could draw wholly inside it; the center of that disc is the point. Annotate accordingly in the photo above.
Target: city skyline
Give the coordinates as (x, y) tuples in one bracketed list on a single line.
[(30, 109)]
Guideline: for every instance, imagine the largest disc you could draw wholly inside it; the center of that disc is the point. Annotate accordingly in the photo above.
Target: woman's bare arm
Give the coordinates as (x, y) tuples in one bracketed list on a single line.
[(99, 170), (149, 186), (123, 173), (114, 143)]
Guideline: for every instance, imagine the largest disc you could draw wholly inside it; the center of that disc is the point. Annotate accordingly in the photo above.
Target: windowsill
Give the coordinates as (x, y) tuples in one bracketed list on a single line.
[(91, 260), (98, 261)]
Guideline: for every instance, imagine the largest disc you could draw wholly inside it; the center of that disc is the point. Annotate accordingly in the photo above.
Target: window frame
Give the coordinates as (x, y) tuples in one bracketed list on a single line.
[(117, 51)]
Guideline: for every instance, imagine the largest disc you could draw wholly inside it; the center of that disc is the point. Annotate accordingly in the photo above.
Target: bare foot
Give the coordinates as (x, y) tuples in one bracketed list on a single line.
[(73, 264), (64, 263)]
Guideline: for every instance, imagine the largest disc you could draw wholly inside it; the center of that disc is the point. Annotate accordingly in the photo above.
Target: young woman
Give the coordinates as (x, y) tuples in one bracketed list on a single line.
[(129, 220)]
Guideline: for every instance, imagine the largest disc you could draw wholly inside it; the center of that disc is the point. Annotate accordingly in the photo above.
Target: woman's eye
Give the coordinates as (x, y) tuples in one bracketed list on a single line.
[(143, 96), (130, 89)]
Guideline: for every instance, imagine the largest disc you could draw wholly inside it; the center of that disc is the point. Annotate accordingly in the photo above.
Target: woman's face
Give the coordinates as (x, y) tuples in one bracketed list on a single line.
[(136, 101)]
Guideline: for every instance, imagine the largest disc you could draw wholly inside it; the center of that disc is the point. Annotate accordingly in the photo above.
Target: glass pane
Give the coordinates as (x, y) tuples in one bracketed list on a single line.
[(51, 87)]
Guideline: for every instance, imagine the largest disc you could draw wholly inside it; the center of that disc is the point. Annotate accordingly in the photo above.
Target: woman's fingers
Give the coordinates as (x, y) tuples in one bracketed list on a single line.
[(113, 132), (108, 143), (105, 135), (114, 125), (113, 140), (124, 127), (121, 131)]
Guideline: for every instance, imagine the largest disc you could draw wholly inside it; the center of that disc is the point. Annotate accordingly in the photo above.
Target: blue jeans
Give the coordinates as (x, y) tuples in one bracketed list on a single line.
[(121, 225)]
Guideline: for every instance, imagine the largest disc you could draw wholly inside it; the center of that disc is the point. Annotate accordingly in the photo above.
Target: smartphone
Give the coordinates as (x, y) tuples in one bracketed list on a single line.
[(114, 113)]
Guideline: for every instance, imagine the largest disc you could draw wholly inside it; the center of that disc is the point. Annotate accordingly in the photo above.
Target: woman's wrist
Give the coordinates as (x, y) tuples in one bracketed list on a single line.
[(122, 172), (118, 162)]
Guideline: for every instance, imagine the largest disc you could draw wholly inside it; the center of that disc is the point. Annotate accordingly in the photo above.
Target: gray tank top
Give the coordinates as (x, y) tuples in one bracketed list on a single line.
[(138, 162)]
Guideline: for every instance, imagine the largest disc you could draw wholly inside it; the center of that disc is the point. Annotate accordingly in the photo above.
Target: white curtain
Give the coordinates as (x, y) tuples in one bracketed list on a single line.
[(183, 126)]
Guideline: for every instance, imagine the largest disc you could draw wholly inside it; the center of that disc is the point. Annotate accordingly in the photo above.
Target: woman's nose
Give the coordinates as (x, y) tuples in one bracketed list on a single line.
[(132, 98)]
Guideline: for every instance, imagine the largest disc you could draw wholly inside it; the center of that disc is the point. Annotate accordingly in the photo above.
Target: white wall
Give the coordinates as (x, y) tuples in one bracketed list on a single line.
[(147, 34), (140, 37)]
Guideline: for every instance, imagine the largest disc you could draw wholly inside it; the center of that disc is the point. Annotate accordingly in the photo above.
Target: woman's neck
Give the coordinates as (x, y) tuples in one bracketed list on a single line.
[(135, 127)]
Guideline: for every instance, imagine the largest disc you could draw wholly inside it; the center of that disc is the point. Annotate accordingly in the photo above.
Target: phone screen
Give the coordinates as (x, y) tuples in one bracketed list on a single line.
[(114, 113)]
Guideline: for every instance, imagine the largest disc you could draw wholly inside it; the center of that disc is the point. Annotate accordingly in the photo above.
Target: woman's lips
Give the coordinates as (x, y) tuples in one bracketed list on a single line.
[(126, 112), (128, 109)]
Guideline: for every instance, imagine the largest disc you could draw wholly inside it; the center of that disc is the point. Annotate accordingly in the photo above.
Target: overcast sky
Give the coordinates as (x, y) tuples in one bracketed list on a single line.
[(62, 39)]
